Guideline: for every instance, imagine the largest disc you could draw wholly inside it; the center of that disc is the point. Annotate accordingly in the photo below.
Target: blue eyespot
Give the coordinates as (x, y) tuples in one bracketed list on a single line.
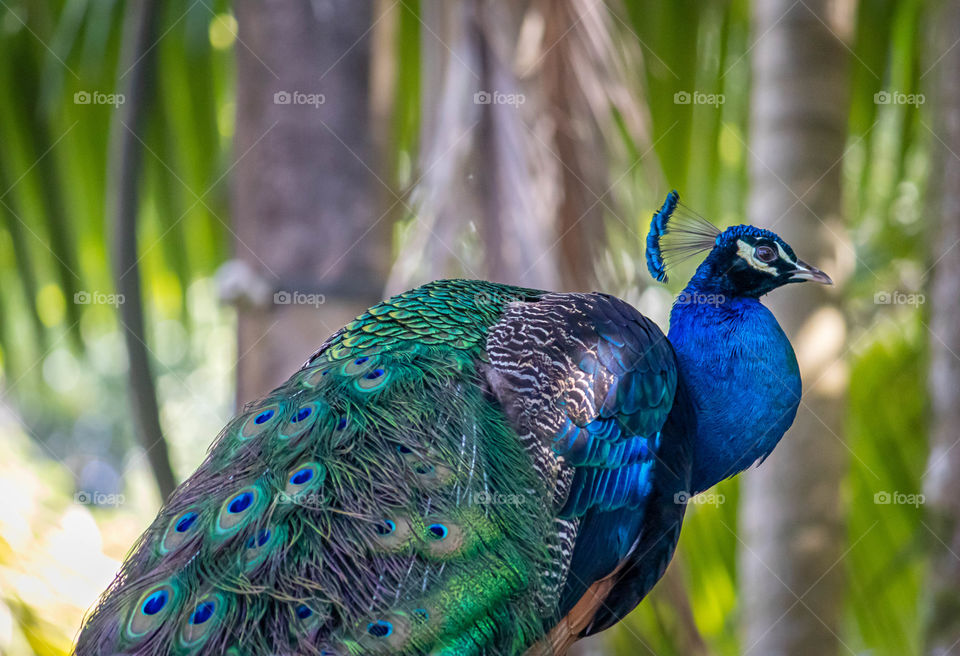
[(259, 539), (302, 476), (403, 449), (186, 522), (437, 531), (380, 629), (361, 360), (386, 527), (421, 614), (302, 414), (241, 502), (303, 611), (342, 423), (373, 375), (155, 602), (203, 612), (264, 416)]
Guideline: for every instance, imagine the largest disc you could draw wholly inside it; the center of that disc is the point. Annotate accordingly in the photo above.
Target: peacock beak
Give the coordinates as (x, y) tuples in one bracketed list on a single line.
[(804, 271)]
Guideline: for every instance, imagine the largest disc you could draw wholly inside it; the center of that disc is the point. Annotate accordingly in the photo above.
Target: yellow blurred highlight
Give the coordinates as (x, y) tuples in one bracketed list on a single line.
[(226, 119), (51, 305), (167, 293), (820, 348), (53, 561), (711, 607), (730, 145), (223, 31)]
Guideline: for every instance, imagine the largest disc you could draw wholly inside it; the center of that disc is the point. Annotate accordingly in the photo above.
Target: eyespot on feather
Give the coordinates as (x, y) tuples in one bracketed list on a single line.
[(312, 377), (390, 632), (391, 534), (300, 420), (359, 365), (303, 612), (302, 485), (260, 420), (260, 545), (153, 607), (239, 509), (443, 538), (428, 473), (373, 380), (309, 615), (181, 529), (202, 620)]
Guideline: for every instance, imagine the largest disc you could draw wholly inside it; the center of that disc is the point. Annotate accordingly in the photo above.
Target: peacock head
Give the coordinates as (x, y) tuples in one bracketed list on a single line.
[(744, 261)]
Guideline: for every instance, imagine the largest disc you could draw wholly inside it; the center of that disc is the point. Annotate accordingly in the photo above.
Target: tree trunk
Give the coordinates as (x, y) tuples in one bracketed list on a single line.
[(126, 165), (791, 519), (577, 144), (306, 186), (942, 482), (485, 191)]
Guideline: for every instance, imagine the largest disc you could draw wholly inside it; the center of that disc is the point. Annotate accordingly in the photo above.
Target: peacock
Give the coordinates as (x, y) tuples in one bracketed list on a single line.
[(470, 468)]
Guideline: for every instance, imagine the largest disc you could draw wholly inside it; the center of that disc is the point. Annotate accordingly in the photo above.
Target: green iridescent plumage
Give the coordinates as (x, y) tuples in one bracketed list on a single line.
[(467, 468), (348, 511)]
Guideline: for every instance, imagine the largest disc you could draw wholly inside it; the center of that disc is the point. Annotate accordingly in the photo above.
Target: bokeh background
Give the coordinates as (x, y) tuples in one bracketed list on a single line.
[(195, 193)]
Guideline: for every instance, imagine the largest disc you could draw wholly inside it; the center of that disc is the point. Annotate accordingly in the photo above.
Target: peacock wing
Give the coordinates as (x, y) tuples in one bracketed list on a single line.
[(589, 383)]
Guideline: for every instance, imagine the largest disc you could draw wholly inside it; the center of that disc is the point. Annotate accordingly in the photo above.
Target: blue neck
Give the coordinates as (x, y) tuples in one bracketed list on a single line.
[(742, 374)]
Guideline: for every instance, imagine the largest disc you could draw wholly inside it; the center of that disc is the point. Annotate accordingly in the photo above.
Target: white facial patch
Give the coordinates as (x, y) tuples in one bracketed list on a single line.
[(745, 251), (784, 256)]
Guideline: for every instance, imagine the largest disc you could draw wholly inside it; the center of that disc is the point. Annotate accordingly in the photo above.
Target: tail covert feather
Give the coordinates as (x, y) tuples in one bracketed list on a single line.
[(356, 509)]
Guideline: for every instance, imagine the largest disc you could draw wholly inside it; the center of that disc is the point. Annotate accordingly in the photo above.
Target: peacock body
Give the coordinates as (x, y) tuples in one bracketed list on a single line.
[(466, 468)]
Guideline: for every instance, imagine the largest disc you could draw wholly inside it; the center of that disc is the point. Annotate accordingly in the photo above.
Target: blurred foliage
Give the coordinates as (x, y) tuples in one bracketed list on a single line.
[(65, 428)]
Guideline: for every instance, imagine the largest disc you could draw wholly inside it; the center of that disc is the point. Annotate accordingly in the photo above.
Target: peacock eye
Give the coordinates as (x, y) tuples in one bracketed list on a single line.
[(765, 254)]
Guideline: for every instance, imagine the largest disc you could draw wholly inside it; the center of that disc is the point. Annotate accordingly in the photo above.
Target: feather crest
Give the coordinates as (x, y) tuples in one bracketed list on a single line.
[(689, 234)]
